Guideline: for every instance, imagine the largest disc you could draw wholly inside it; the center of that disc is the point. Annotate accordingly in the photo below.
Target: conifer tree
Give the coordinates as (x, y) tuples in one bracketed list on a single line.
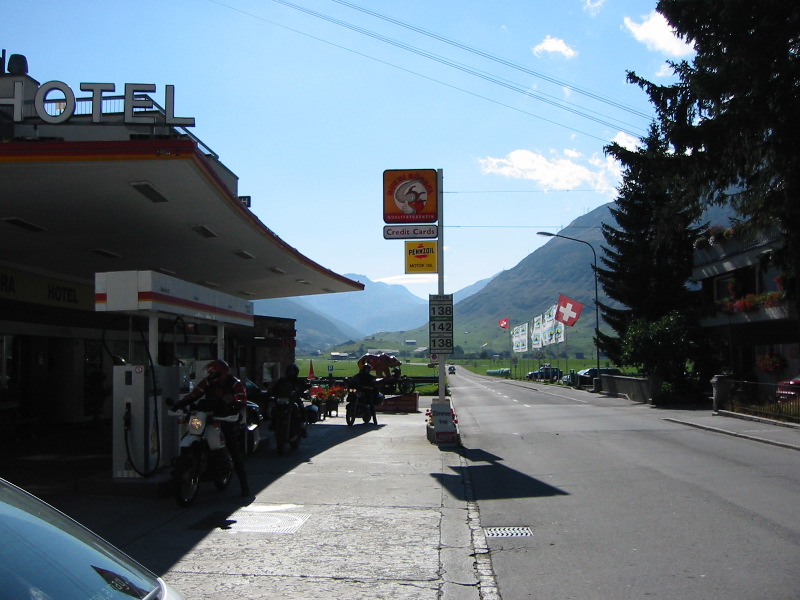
[(647, 261), (734, 110)]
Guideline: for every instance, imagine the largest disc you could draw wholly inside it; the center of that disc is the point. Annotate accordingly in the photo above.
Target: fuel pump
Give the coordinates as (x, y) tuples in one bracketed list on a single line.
[(145, 439)]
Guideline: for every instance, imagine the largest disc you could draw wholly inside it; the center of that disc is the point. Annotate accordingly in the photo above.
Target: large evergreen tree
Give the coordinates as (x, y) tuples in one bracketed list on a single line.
[(647, 261), (735, 109)]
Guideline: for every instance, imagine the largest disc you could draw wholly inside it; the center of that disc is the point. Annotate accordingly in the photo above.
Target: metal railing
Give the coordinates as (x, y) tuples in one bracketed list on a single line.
[(758, 399), (111, 105)]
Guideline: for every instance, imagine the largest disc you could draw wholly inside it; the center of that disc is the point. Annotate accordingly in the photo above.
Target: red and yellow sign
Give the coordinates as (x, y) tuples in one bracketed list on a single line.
[(410, 196), (421, 257)]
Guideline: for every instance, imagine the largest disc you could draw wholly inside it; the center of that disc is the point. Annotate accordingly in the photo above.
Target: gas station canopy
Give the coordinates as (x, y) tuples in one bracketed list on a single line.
[(71, 209)]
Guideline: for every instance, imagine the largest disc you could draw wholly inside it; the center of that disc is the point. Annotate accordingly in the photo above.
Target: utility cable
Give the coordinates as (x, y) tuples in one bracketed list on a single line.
[(474, 72), (432, 79), (497, 59)]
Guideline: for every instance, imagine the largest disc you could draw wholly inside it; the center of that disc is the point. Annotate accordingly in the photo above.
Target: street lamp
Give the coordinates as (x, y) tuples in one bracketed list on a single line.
[(596, 302)]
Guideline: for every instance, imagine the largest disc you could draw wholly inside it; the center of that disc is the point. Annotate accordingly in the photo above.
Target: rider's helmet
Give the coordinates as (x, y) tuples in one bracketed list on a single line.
[(366, 368), (217, 369), (292, 370)]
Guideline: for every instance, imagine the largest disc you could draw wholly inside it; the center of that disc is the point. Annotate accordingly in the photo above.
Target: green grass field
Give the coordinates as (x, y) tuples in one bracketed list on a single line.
[(323, 367)]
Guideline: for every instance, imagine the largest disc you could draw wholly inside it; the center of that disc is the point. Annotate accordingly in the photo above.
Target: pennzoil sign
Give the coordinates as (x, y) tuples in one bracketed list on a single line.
[(410, 196), (421, 257)]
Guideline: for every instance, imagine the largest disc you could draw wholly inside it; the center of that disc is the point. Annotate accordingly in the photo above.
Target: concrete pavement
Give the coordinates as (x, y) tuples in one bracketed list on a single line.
[(356, 512)]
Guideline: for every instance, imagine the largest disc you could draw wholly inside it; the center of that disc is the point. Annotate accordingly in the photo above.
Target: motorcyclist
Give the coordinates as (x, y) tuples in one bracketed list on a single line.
[(292, 387), (365, 381), (223, 394)]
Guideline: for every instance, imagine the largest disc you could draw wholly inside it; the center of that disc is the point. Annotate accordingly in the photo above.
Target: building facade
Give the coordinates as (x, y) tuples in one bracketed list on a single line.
[(115, 183)]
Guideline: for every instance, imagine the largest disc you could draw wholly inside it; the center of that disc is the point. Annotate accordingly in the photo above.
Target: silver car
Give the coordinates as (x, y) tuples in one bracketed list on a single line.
[(48, 556)]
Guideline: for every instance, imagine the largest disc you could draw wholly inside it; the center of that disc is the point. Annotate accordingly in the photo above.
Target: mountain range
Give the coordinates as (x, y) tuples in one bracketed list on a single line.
[(331, 319), (390, 314)]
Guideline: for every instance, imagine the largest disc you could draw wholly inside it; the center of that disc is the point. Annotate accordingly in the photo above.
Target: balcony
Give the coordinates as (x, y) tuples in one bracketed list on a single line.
[(741, 311), (724, 251)]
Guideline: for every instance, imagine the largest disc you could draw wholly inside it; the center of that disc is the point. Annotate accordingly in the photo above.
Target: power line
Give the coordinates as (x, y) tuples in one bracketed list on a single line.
[(497, 59), (515, 191), (394, 66), (520, 227), (563, 105)]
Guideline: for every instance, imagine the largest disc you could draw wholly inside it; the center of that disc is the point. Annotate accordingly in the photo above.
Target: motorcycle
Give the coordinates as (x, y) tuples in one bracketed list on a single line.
[(203, 454), (361, 403), (397, 383), (289, 423), (249, 431)]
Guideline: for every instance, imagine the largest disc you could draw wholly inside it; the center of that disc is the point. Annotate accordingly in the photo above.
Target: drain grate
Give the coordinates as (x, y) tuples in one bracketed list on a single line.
[(496, 532)]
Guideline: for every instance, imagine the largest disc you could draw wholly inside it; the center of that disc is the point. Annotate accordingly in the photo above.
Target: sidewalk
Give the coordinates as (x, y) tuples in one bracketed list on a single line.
[(356, 512), (766, 431)]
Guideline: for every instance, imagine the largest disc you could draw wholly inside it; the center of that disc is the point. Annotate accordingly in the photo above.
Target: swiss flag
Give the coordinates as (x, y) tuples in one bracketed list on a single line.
[(504, 323), (568, 310)]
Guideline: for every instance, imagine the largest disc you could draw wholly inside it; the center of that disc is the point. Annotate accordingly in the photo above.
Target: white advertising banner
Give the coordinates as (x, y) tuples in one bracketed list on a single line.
[(519, 338)]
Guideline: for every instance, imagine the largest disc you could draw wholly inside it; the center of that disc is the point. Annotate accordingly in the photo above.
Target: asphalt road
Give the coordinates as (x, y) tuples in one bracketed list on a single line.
[(621, 503)]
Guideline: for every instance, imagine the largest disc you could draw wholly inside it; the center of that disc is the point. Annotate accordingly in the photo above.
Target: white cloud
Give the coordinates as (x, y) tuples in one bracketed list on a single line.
[(627, 141), (554, 45), (560, 172), (665, 71), (592, 6), (409, 279), (656, 33)]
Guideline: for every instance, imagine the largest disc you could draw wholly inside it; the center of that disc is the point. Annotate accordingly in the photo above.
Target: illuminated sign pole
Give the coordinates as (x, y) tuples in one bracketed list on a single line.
[(440, 269), (412, 197), (440, 317)]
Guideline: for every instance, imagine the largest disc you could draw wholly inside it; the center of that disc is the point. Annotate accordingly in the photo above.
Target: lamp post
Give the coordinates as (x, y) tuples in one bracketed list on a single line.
[(596, 302)]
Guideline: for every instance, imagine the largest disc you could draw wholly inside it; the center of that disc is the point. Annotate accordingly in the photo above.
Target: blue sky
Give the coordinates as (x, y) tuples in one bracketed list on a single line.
[(309, 101)]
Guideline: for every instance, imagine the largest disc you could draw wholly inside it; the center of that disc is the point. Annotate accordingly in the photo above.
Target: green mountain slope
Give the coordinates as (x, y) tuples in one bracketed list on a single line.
[(529, 289)]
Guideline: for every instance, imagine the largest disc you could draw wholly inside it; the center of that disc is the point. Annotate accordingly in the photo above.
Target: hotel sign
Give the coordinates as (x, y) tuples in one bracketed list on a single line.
[(135, 100)]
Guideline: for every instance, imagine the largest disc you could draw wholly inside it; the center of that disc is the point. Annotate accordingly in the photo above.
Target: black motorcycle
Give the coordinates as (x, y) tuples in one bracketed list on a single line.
[(288, 421), (361, 403), (397, 383)]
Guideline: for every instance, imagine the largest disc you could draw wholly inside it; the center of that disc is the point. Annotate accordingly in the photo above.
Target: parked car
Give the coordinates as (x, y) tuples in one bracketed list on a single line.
[(789, 390), (545, 374), (587, 376), (45, 554)]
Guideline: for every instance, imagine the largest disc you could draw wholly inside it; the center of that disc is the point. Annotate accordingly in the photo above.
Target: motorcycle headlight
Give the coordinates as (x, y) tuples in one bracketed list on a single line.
[(196, 423)]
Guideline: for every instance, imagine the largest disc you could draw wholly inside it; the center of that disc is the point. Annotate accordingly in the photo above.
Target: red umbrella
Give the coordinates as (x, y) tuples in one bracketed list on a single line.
[(311, 370)]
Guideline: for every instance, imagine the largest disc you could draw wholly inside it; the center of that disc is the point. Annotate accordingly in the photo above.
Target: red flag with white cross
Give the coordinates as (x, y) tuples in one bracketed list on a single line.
[(568, 311), (504, 323)]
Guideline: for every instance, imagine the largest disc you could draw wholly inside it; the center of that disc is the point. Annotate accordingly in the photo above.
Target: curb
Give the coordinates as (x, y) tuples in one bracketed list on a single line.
[(734, 434)]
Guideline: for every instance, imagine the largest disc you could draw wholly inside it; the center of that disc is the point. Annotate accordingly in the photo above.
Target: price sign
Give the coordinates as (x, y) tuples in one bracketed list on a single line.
[(440, 323)]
